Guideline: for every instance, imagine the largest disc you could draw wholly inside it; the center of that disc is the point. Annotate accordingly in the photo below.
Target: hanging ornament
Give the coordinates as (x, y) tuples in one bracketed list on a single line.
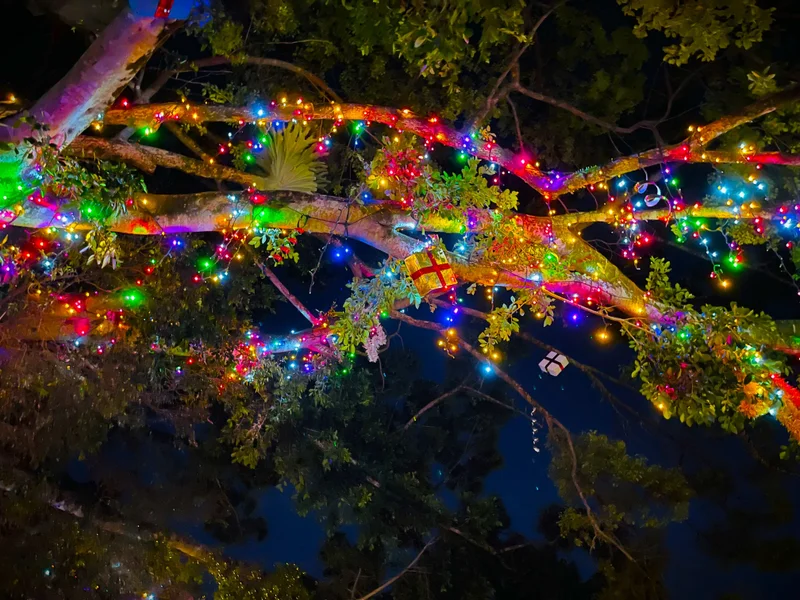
[(534, 431), (553, 363), (163, 9), (430, 271), (650, 199)]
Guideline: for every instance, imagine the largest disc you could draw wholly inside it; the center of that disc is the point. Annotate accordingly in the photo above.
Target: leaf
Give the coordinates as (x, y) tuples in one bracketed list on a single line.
[(419, 41), (291, 163)]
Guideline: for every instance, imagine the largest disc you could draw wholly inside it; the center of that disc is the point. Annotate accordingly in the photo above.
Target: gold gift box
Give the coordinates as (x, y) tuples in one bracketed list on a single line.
[(430, 271)]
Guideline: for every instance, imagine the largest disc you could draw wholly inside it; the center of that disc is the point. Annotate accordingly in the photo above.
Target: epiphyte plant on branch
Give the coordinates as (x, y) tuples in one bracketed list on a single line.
[(96, 270)]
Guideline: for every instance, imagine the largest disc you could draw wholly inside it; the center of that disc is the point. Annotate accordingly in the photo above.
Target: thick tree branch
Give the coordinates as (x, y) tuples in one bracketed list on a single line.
[(431, 129), (148, 157), (372, 225), (164, 76), (690, 150), (664, 214), (103, 71)]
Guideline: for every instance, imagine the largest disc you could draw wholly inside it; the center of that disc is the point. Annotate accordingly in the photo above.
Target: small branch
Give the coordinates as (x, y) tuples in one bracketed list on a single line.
[(410, 565), (554, 425), (496, 94), (517, 87), (265, 62), (431, 404), (355, 584), (187, 141), (294, 300), (513, 108)]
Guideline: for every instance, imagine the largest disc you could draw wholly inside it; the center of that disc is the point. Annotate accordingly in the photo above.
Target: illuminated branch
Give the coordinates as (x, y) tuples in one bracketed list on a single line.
[(403, 120), (690, 150), (665, 214), (316, 213), (148, 158), (550, 185)]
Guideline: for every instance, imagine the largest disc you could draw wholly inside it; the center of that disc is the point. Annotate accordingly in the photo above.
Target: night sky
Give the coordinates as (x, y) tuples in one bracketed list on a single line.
[(522, 482)]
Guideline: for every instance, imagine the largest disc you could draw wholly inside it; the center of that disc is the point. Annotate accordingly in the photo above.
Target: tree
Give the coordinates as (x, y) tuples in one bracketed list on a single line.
[(118, 302)]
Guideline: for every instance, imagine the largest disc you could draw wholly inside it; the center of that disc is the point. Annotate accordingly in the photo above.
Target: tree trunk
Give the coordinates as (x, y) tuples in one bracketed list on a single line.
[(90, 87)]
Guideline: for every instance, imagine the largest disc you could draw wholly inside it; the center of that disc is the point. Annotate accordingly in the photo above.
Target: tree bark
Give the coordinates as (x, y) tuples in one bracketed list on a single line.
[(103, 71)]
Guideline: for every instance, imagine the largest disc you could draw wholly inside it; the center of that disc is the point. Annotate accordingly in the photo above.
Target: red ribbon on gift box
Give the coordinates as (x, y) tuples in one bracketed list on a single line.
[(163, 9), (434, 268)]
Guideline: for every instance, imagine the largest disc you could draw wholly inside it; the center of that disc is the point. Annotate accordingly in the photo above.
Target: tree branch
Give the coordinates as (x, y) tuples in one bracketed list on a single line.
[(148, 157), (294, 300), (496, 95), (553, 424), (410, 565), (550, 185), (431, 404), (690, 150), (403, 120), (647, 124), (70, 106), (187, 141), (259, 61)]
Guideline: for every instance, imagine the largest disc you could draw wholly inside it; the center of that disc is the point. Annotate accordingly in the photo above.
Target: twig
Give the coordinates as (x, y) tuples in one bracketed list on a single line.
[(187, 141), (355, 584), (389, 582), (496, 94), (431, 404), (516, 124), (294, 300), (554, 425)]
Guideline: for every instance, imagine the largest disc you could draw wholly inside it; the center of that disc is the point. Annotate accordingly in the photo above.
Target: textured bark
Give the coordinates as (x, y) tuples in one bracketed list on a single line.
[(147, 158), (90, 87)]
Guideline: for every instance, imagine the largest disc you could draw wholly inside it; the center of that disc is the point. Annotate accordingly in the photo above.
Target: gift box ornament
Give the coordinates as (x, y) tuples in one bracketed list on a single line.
[(162, 9), (430, 271), (553, 363)]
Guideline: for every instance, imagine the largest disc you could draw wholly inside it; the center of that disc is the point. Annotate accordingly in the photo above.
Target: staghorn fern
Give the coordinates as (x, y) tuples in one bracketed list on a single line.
[(291, 163)]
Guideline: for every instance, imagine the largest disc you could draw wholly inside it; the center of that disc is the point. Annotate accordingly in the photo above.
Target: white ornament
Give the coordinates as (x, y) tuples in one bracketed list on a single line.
[(553, 363)]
